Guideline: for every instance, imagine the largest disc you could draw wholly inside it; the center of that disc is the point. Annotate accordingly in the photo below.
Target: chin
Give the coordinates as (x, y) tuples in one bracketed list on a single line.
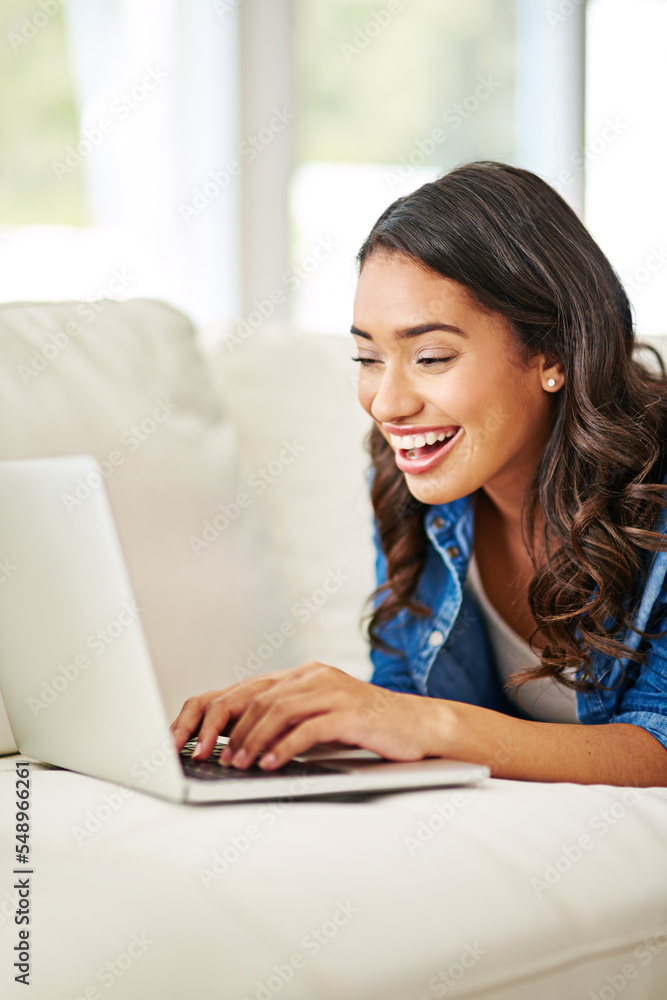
[(431, 492)]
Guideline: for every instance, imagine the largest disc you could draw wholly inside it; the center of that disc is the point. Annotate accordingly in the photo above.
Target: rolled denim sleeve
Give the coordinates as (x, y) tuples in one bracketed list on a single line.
[(645, 702), (390, 670)]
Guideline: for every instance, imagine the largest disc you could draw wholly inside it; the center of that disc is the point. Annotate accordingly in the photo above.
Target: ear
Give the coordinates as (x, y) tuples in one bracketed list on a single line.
[(552, 374)]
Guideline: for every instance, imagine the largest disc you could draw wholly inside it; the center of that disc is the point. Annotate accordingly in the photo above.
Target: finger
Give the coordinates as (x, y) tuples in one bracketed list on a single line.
[(317, 729), (216, 717), (228, 706), (272, 723), (289, 686), (187, 721)]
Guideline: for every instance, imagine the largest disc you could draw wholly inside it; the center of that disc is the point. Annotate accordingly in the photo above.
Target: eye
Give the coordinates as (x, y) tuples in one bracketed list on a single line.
[(434, 361), (420, 361)]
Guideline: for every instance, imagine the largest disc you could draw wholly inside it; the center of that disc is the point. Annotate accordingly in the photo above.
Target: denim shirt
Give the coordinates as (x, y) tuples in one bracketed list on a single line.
[(449, 654)]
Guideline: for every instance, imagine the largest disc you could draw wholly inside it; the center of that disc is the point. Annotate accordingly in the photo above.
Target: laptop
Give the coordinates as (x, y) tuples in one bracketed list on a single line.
[(76, 676)]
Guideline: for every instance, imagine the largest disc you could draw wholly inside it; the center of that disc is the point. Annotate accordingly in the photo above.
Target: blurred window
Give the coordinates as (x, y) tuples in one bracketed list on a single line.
[(116, 117), (626, 148), (389, 95), (38, 118)]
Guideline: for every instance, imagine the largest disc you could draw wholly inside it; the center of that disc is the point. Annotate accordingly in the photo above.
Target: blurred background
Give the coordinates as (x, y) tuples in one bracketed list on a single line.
[(229, 156)]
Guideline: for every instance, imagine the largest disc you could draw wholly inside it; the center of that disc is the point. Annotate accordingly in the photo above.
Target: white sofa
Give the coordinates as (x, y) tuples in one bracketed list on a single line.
[(511, 891)]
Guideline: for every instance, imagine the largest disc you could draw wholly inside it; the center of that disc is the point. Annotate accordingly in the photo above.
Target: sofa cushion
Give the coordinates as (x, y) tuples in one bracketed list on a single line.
[(512, 890)]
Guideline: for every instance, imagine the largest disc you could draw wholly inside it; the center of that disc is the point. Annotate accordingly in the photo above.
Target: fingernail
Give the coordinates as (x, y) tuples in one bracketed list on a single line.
[(197, 749), (240, 759), (268, 760), (226, 756)]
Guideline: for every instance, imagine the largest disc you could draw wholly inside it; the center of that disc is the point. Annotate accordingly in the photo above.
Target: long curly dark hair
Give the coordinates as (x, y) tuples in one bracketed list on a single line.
[(517, 246)]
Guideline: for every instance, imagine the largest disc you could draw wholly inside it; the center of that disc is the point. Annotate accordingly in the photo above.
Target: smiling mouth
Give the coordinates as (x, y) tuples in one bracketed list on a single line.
[(425, 450), (423, 457), (420, 448), (415, 454)]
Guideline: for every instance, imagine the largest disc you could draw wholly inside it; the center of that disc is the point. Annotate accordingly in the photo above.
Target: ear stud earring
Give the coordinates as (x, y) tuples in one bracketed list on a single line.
[(551, 382)]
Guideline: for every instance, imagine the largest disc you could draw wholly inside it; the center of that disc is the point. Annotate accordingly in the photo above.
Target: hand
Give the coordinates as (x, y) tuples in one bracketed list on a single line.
[(291, 710)]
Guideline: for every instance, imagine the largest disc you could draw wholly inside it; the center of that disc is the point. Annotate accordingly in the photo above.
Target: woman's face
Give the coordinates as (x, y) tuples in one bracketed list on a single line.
[(434, 363)]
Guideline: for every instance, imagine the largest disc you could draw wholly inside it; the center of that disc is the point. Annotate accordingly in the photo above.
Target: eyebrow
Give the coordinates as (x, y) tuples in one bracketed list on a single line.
[(414, 331)]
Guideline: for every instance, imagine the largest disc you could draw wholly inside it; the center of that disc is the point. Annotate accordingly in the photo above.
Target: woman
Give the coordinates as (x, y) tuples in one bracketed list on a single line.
[(518, 481)]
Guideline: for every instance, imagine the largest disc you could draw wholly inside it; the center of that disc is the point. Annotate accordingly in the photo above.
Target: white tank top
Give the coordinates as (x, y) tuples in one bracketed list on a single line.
[(544, 699)]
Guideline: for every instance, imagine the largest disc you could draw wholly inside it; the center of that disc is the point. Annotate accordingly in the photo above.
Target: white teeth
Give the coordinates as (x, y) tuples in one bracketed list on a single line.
[(409, 441), (405, 441)]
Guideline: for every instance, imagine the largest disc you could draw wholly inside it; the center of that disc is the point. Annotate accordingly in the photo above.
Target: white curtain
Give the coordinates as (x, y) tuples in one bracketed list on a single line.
[(157, 87)]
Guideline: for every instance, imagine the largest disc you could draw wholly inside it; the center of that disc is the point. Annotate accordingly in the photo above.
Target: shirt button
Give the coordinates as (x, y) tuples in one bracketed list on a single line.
[(453, 552), (438, 523), (435, 638)]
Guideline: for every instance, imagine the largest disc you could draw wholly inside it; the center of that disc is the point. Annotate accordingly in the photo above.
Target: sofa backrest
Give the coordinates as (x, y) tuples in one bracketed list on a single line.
[(293, 400)]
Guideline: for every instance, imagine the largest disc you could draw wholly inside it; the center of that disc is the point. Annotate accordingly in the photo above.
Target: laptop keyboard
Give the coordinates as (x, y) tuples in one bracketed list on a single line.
[(211, 770)]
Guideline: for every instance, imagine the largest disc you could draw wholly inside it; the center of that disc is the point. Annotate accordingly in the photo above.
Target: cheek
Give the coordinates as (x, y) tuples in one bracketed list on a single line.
[(498, 417), (488, 404), (468, 397)]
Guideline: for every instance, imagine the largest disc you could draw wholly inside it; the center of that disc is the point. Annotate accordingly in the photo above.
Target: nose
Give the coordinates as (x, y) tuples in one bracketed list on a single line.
[(395, 398)]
